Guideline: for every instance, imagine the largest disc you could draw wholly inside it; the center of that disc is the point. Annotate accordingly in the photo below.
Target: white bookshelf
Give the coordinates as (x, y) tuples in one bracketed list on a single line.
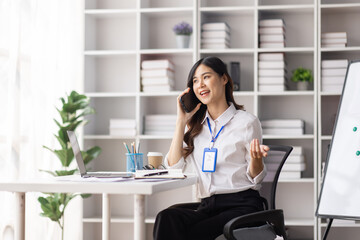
[(119, 35)]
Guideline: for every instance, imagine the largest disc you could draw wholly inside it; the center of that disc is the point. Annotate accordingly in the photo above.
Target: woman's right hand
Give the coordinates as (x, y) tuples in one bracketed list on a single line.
[(183, 116)]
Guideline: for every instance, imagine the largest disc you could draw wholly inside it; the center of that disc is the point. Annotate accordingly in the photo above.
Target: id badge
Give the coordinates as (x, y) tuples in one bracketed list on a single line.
[(209, 160)]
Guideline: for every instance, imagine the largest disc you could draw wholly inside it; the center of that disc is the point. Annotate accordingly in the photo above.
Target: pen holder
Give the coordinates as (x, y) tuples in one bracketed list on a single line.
[(133, 159)]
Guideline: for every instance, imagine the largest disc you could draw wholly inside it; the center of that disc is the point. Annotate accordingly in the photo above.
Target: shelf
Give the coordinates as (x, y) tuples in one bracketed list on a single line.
[(129, 219), (298, 8), (299, 222), (226, 10), (301, 180), (346, 49), (106, 137), (305, 136), (109, 13), (110, 94), (155, 137), (287, 93), (228, 51), (326, 137), (288, 49), (187, 51), (106, 53)]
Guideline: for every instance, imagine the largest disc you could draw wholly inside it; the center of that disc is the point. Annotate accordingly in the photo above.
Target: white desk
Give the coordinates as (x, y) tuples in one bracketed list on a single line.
[(136, 188)]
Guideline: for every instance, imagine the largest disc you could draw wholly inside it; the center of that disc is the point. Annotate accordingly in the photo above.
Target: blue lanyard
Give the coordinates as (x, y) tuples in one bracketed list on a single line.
[(213, 138)]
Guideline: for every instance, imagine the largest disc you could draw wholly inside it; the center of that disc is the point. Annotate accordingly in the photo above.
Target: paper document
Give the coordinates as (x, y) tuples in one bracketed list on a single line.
[(78, 178), (163, 173)]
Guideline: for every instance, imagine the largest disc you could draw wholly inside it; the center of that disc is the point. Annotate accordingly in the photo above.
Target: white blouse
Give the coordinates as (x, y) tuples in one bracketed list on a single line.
[(233, 157)]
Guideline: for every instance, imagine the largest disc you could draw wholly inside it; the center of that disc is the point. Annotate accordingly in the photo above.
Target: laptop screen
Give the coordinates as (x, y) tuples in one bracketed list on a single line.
[(77, 152)]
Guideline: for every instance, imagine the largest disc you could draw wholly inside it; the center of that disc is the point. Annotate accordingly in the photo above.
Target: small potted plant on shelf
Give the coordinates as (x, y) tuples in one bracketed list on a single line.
[(302, 77), (183, 31)]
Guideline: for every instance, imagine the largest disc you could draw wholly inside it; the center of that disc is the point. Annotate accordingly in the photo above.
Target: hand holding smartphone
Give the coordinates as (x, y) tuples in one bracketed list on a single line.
[(189, 101)]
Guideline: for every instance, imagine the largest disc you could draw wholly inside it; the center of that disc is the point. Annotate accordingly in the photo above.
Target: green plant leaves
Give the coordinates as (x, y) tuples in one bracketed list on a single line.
[(302, 74), (74, 108)]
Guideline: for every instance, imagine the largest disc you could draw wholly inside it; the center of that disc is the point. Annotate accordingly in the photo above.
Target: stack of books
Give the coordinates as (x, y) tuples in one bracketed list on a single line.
[(283, 126), (333, 75), (294, 165), (122, 127), (272, 33), (160, 124), (157, 75), (272, 70), (333, 39), (215, 35)]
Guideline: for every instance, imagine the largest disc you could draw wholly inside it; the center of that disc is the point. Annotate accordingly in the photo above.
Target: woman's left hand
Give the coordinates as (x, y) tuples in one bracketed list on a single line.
[(257, 151)]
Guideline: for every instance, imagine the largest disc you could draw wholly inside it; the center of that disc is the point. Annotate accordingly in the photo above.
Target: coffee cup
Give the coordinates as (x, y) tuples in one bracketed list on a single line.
[(155, 159)]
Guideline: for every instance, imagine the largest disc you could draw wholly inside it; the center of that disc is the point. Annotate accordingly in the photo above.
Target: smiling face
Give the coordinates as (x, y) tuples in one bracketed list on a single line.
[(208, 86)]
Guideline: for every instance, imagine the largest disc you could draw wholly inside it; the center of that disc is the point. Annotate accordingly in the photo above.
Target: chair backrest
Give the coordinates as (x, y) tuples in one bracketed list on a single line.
[(274, 162)]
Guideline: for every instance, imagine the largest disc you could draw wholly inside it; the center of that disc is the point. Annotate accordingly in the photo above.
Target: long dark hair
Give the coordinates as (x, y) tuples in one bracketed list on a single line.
[(194, 125)]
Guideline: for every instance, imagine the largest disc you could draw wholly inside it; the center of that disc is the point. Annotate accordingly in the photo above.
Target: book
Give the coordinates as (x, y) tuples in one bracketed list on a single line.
[(285, 123), (287, 167), (297, 150), (235, 74), (333, 45), (215, 40), (327, 80), (283, 131), (157, 64), (271, 57), (157, 117), (333, 72), (122, 123), (122, 132), (215, 34), (272, 45), (215, 45), (157, 88), (272, 38), (333, 40), (272, 87), (223, 26), (332, 88), (271, 30), (272, 23), (271, 64), (272, 72), (159, 173), (157, 81), (157, 73), (272, 80), (339, 63), (272, 158), (334, 35)]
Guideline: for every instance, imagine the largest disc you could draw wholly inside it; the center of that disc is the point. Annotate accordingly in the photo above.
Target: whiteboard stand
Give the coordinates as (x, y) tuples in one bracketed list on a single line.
[(328, 228)]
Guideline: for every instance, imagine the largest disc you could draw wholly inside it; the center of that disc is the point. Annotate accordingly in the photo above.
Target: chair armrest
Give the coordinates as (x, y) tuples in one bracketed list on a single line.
[(193, 205), (275, 217)]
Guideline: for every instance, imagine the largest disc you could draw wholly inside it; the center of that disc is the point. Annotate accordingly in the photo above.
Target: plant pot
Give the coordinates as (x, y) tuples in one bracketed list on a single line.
[(302, 86), (182, 41)]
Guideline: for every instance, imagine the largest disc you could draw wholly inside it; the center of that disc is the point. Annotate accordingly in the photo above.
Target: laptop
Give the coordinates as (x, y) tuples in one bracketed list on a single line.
[(81, 166)]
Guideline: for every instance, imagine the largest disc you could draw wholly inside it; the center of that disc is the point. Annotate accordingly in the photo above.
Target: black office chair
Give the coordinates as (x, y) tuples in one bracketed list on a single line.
[(263, 225)]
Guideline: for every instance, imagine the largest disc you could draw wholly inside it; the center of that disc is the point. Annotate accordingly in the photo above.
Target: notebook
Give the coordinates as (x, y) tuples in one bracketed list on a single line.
[(81, 166)]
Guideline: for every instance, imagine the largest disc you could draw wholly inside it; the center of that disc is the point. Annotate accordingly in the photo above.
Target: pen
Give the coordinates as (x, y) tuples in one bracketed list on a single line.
[(156, 173), (127, 148)]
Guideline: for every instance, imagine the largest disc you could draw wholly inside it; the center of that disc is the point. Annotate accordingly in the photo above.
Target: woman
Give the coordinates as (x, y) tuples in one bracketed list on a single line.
[(222, 142)]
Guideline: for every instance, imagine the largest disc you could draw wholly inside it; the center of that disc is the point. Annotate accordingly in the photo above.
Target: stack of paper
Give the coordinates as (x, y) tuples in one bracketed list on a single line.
[(333, 75), (283, 126), (333, 39), (294, 164), (157, 75), (215, 35), (272, 33), (122, 127), (160, 124), (272, 70)]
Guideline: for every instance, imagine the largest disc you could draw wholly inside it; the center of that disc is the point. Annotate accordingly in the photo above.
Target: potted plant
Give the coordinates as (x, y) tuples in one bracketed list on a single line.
[(72, 112), (302, 77), (183, 31)]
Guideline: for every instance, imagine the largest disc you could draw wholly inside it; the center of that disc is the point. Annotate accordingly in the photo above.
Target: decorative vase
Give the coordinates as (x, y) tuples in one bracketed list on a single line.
[(302, 85), (182, 41)]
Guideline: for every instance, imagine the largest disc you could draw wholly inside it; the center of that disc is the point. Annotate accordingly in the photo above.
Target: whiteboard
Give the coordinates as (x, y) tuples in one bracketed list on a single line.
[(340, 192)]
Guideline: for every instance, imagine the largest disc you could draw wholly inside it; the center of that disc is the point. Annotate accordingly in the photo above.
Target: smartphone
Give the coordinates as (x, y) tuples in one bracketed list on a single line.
[(189, 101)]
